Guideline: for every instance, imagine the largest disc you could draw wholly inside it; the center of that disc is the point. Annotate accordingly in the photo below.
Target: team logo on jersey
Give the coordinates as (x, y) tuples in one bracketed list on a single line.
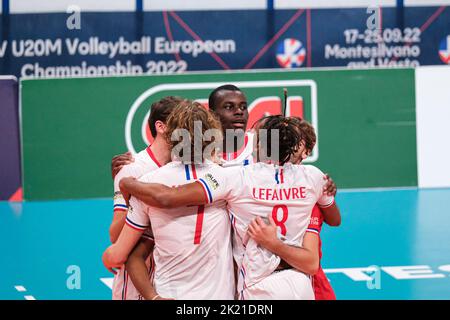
[(444, 50), (264, 97), (211, 181), (291, 53), (314, 221)]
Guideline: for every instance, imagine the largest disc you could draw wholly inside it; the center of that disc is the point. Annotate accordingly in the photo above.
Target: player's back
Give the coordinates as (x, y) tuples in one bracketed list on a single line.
[(288, 194), (192, 252)]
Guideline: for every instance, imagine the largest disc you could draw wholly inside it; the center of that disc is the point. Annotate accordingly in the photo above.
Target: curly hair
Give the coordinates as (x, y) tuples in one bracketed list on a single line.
[(187, 115), (289, 135), (309, 135)]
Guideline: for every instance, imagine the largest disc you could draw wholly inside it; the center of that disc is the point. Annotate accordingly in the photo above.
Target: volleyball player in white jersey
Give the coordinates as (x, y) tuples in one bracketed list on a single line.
[(285, 192), (229, 104), (192, 254), (144, 162)]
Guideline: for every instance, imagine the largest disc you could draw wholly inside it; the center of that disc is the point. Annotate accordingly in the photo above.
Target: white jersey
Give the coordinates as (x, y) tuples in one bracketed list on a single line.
[(287, 193), (192, 254), (242, 157), (144, 162)]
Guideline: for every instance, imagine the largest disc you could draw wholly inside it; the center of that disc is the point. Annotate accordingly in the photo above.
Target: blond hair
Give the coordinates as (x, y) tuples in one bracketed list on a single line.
[(185, 116)]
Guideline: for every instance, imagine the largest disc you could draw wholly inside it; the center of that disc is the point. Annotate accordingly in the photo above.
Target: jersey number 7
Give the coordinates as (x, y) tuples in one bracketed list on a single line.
[(199, 224)]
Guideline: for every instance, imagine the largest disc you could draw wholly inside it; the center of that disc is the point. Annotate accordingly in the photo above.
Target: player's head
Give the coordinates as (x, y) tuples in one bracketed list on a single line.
[(159, 113), (289, 137), (229, 103), (188, 123), (308, 141)]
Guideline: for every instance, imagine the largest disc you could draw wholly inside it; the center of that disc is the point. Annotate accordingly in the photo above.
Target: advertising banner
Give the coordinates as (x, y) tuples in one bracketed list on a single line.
[(118, 43)]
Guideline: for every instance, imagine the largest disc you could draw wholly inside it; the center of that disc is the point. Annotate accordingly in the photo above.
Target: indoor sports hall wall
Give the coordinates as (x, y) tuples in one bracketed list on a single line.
[(10, 186), (433, 129), (72, 127)]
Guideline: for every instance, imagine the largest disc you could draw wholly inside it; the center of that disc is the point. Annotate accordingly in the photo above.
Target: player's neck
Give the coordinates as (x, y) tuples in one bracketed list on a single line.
[(237, 144), (160, 150)]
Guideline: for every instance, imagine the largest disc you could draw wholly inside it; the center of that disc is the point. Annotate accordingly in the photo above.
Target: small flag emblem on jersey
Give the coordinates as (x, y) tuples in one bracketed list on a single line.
[(444, 50), (291, 53)]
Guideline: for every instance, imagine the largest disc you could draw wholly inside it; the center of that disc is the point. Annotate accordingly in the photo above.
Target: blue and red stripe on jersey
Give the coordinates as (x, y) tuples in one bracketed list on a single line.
[(201, 209), (135, 225), (120, 207)]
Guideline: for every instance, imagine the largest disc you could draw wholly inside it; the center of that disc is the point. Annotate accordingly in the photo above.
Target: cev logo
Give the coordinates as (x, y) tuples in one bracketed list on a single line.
[(258, 107)]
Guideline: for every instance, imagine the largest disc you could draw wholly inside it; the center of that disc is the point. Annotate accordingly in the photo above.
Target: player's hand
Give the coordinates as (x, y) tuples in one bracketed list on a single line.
[(119, 161), (124, 182), (329, 188), (264, 234), (106, 258)]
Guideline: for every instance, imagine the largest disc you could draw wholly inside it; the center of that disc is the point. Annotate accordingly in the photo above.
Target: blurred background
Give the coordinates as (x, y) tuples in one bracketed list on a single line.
[(77, 79)]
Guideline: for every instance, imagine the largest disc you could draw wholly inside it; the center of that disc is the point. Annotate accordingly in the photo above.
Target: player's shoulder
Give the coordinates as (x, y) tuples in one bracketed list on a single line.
[(161, 173), (312, 173), (258, 167), (146, 157), (303, 168), (309, 168), (130, 170), (148, 177), (216, 175)]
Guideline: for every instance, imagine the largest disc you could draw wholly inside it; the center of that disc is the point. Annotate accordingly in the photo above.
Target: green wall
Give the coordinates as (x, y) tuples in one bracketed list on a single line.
[(72, 127)]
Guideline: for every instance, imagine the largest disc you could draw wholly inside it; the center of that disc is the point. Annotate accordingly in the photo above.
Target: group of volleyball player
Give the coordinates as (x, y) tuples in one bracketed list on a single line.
[(230, 225)]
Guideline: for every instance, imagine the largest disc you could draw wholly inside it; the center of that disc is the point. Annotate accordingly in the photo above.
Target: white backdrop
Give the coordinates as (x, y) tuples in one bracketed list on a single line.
[(433, 126)]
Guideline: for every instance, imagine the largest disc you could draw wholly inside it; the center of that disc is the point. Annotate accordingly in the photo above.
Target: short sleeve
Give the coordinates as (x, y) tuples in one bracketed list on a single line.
[(219, 183), (119, 201), (316, 221), (323, 200), (137, 217)]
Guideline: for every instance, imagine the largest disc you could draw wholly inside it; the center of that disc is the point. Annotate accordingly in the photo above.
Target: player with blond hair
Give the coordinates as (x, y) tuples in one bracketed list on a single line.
[(192, 254)]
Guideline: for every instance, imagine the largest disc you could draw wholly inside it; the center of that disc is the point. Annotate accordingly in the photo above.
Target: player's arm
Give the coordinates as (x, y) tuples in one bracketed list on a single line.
[(137, 268), (331, 215), (137, 221), (116, 254), (117, 225), (161, 196), (305, 258), (326, 203), (120, 206)]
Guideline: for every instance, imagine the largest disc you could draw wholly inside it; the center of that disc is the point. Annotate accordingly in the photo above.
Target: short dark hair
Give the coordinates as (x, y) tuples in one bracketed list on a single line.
[(212, 101), (160, 111)]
